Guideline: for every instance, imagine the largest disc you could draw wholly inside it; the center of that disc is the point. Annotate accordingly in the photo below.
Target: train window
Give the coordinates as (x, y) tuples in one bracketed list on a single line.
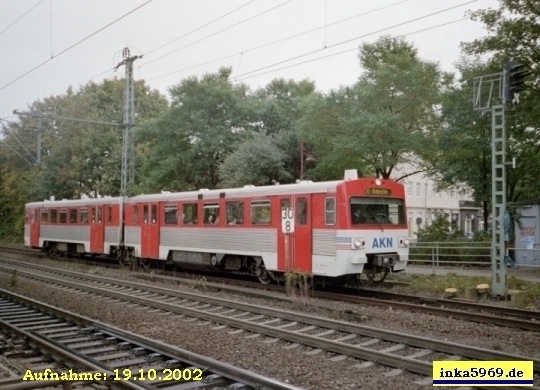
[(109, 214), (145, 213), (330, 211), (171, 214), (260, 212), (93, 214), (44, 216), (54, 214), (83, 215), (99, 214), (382, 211), (63, 216), (189, 215), (211, 214), (36, 215), (135, 216), (235, 213), (154, 213), (301, 211), (72, 215)]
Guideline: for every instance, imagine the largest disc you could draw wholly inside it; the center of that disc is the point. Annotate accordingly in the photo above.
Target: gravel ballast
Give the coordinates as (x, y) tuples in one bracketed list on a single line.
[(271, 359)]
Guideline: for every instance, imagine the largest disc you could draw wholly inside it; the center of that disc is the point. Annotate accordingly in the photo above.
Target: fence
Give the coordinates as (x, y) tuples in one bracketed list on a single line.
[(462, 253)]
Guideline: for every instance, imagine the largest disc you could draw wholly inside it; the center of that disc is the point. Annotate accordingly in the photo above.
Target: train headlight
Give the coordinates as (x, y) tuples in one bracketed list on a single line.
[(358, 243), (403, 242)]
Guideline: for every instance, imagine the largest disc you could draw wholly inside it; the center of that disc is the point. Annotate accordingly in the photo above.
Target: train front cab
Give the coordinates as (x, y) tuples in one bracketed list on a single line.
[(372, 232)]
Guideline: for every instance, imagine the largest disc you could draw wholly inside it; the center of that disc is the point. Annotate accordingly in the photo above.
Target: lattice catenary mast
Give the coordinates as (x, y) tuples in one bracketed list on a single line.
[(128, 148)]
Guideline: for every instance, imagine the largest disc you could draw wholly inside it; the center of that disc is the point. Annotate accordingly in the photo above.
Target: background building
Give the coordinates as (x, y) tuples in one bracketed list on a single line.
[(424, 202)]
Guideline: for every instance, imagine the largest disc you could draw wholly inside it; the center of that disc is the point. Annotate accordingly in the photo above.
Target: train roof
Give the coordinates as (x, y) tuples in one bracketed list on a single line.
[(246, 191), (77, 202), (302, 187)]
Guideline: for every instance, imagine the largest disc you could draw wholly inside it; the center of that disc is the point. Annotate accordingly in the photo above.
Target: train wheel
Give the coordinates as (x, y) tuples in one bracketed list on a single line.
[(376, 275), (264, 276), (145, 263), (365, 278)]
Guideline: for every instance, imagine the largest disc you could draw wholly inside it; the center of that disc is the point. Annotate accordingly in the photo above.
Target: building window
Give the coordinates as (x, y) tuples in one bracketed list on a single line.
[(418, 190), (409, 188)]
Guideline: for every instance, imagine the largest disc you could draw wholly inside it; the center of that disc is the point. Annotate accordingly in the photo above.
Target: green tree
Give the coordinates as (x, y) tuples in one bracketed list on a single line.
[(77, 158), (463, 148), (320, 125), (275, 111), (186, 144), (513, 33), (388, 117), (257, 161)]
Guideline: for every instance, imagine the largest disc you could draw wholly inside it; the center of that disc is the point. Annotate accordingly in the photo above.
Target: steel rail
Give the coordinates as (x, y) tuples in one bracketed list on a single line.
[(314, 341), (216, 367)]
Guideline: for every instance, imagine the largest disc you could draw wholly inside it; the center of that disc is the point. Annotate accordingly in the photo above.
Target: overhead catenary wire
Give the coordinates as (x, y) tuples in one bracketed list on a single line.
[(16, 139), (357, 38), (216, 33), (243, 52), (74, 45), (263, 70), (20, 17), (200, 27), (155, 49), (240, 78), (250, 74)]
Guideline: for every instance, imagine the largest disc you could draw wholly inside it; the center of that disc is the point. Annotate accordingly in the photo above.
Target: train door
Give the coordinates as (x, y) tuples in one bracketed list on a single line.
[(97, 229), (34, 227), (294, 237), (150, 231)]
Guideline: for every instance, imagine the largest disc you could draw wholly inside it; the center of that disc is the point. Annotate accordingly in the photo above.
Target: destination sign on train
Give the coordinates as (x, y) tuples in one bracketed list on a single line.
[(378, 191)]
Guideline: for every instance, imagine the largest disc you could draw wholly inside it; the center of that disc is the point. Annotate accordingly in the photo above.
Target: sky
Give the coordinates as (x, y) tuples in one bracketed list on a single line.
[(48, 46)]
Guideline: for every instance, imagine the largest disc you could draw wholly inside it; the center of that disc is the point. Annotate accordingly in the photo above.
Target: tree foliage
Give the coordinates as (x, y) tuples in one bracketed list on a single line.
[(513, 34), (388, 117), (275, 111), (187, 143), (258, 161)]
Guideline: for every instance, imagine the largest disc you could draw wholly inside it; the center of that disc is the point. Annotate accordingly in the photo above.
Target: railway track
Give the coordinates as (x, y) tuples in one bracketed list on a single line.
[(40, 339), (469, 311), (396, 350)]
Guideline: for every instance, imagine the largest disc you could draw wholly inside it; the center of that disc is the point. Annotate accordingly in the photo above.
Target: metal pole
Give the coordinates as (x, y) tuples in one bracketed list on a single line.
[(498, 200), (128, 149), (301, 160)]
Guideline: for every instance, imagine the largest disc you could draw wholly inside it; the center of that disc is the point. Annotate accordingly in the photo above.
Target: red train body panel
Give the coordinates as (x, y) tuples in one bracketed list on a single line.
[(331, 229)]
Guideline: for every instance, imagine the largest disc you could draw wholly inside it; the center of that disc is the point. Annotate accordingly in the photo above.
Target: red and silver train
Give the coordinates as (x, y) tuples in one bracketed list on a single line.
[(355, 227)]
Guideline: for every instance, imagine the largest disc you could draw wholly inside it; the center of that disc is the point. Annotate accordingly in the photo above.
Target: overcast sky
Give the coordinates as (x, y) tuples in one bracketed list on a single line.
[(48, 45)]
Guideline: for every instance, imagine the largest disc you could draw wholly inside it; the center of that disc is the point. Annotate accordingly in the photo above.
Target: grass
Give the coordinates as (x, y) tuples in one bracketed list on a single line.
[(436, 284)]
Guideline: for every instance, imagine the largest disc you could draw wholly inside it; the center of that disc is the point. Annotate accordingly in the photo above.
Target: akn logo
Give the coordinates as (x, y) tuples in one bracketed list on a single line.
[(382, 242)]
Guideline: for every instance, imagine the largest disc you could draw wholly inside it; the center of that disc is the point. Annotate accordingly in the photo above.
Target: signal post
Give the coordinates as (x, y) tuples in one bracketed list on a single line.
[(507, 86)]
